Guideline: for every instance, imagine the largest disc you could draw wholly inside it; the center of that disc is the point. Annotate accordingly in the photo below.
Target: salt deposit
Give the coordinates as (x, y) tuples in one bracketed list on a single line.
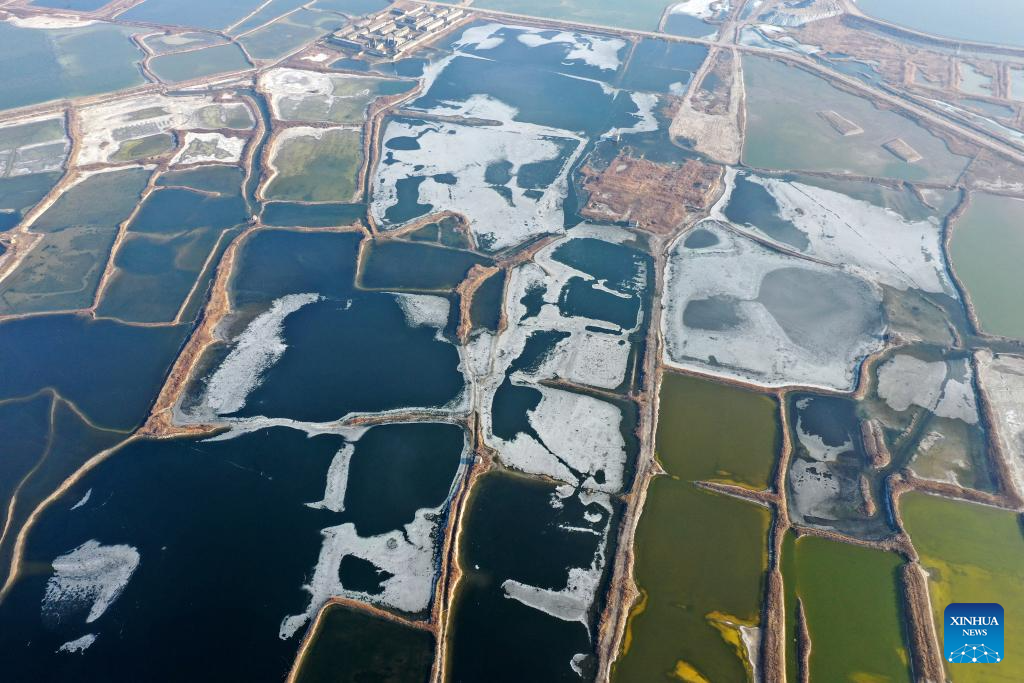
[(868, 240), (209, 147), (598, 51), (942, 387), (498, 220), (769, 319), (255, 350), (92, 575), (78, 644)]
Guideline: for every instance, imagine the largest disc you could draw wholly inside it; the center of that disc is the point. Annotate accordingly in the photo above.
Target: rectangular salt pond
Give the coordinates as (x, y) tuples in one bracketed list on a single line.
[(39, 65), (700, 563), (852, 608), (639, 14), (783, 133), (533, 557), (62, 271), (315, 165), (987, 248), (972, 553), (712, 431), (353, 645), (183, 66), (701, 580)]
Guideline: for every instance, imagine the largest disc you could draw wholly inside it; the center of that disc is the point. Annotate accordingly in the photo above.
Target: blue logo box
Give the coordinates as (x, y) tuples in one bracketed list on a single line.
[(973, 633)]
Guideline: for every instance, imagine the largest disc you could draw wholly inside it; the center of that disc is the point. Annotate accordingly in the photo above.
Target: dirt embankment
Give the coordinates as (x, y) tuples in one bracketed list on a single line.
[(926, 658), (773, 641), (874, 444), (719, 136), (465, 292), (622, 591), (314, 629), (803, 643), (451, 572)]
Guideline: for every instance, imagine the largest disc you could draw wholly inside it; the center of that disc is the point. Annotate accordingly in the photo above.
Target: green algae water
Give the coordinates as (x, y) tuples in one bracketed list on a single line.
[(700, 556), (986, 249), (852, 608), (700, 562), (711, 431), (972, 553)]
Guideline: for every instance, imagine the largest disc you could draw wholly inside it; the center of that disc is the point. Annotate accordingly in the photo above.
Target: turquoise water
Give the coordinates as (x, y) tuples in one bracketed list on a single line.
[(196, 13), (288, 214), (185, 66), (40, 65), (984, 21)]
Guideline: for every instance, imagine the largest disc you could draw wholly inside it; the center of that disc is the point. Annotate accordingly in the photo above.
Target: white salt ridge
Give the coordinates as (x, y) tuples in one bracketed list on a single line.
[(751, 636), (869, 240), (49, 22), (941, 387), (78, 644), (337, 481), (571, 603), (757, 349), (91, 574), (432, 70), (593, 50), (255, 350), (424, 310), (480, 38), (598, 51), (589, 358), (465, 152), (645, 120), (83, 500)]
